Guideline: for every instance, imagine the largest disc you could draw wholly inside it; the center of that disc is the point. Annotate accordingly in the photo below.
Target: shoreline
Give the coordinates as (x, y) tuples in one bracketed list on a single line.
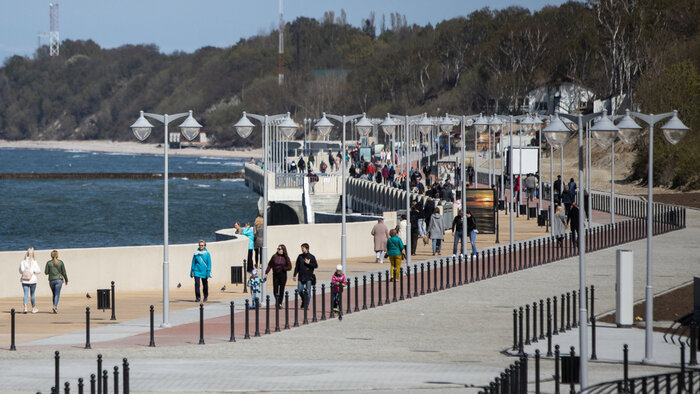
[(129, 147)]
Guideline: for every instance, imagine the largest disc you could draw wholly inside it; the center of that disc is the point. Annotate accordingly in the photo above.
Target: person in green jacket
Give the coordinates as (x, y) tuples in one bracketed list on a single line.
[(57, 277), (395, 249)]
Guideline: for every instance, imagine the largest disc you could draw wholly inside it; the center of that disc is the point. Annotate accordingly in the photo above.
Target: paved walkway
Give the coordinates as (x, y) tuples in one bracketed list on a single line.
[(451, 339)]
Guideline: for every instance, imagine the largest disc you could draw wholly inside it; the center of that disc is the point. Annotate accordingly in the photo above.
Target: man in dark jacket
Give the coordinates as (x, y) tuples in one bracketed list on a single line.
[(557, 190), (572, 221), (457, 225), (428, 211), (305, 266), (567, 198), (416, 215)]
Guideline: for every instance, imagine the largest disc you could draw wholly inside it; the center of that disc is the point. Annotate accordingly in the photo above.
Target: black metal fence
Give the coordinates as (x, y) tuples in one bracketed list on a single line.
[(513, 380), (100, 381)]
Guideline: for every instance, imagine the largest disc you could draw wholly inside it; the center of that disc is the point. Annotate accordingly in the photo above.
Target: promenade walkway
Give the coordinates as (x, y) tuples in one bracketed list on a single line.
[(449, 340)]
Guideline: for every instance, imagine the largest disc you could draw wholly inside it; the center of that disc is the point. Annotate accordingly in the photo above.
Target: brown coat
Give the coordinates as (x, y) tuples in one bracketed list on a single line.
[(381, 235)]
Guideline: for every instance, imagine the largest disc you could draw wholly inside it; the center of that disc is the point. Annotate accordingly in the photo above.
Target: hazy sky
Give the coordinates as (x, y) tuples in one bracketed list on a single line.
[(187, 25)]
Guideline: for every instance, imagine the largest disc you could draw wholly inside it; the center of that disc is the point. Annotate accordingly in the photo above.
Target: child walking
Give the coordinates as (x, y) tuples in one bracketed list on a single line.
[(338, 281), (255, 284)]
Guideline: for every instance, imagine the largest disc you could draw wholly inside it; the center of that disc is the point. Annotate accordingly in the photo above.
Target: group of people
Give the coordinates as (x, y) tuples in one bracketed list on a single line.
[(54, 269)]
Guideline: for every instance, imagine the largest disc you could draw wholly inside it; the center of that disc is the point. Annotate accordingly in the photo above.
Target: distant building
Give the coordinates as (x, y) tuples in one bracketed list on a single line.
[(564, 97)]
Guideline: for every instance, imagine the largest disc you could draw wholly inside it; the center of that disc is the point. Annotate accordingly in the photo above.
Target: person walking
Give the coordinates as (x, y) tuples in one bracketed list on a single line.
[(530, 186), (28, 269), (457, 225), (338, 281), (559, 225), (395, 249), (258, 240), (416, 217), (301, 164), (572, 221), (557, 190), (572, 186), (304, 267), (401, 228), (56, 271), (472, 231), (436, 229), (567, 197), (248, 232), (201, 270), (428, 209), (381, 234), (279, 264)]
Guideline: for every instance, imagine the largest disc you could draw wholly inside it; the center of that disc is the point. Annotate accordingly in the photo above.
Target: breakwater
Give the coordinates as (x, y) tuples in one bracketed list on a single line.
[(121, 175)]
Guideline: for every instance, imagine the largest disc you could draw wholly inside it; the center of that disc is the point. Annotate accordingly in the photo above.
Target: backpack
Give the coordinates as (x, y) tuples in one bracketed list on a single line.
[(27, 273)]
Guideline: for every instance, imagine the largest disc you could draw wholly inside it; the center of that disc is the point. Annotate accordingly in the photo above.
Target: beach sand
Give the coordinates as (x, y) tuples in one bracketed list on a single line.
[(130, 147)]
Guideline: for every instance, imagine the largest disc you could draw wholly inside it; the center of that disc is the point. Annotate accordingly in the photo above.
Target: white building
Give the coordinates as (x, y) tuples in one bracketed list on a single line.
[(564, 97)]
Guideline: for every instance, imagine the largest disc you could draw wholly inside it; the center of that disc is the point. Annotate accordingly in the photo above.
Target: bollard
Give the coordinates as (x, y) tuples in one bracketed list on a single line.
[(401, 297), (306, 316), (515, 329), (549, 330), (364, 292), (422, 276), (12, 329), (537, 371), (573, 308), (541, 319), (568, 311), (586, 301), (267, 314), (592, 300), (415, 280), (593, 353), (201, 324), (286, 310), (99, 373), (435, 276), (520, 331), (323, 301), (408, 283), (357, 293), (66, 388), (386, 282), (125, 376), (379, 289), (625, 367), (442, 275), (81, 386), (233, 337), (296, 309), (87, 327), (92, 383), (393, 283), (488, 263), (57, 361), (483, 265), (313, 303), (563, 315), (428, 279), (151, 343), (510, 258), (454, 272), (371, 290), (114, 317), (554, 320), (331, 312), (527, 324), (556, 370), (105, 382), (246, 335), (572, 388), (348, 284), (245, 277), (116, 379), (534, 322), (459, 268)]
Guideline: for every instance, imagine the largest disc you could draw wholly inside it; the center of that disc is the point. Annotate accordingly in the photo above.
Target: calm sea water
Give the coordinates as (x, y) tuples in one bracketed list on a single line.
[(55, 214)]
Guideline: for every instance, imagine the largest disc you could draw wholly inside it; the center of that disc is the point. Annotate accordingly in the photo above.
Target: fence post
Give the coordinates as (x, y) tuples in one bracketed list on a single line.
[(296, 310), (92, 383), (246, 335), (114, 317), (435, 276), (116, 379), (313, 304), (555, 331), (371, 291), (12, 329), (534, 322), (105, 381), (57, 361), (393, 285), (415, 279), (562, 326), (520, 330), (267, 314), (454, 273), (572, 389), (537, 371), (286, 310), (357, 294), (349, 290), (428, 279), (386, 282), (364, 292), (87, 327), (125, 376), (515, 329), (379, 289), (201, 324), (573, 308), (594, 356), (99, 373), (323, 301), (541, 319), (81, 386), (681, 380), (549, 330), (527, 324), (152, 342), (232, 338), (401, 297)]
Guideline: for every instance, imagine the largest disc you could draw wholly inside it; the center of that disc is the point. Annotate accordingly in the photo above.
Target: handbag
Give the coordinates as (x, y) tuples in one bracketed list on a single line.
[(27, 273)]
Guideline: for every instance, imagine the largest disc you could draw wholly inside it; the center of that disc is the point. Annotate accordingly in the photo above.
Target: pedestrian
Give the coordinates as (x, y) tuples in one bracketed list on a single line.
[(470, 174), (557, 190), (201, 270), (338, 281), (428, 209), (258, 240), (56, 271), (416, 215), (301, 164), (530, 185), (457, 225), (305, 266), (313, 179), (436, 229), (28, 269), (279, 264), (472, 231), (248, 232), (401, 229), (567, 197), (572, 186), (311, 161), (255, 285), (395, 249), (323, 167), (559, 224), (516, 189), (573, 222), (385, 173), (380, 233)]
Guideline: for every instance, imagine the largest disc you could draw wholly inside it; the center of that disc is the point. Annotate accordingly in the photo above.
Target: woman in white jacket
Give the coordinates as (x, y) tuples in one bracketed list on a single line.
[(28, 269)]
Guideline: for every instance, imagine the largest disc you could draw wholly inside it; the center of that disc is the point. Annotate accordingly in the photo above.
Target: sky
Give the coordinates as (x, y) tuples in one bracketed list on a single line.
[(186, 25)]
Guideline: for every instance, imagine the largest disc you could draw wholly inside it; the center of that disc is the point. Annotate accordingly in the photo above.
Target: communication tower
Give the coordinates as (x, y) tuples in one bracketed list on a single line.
[(280, 52), (54, 43)]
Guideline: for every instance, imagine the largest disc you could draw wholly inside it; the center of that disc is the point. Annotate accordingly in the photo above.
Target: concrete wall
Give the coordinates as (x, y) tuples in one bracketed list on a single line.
[(131, 267)]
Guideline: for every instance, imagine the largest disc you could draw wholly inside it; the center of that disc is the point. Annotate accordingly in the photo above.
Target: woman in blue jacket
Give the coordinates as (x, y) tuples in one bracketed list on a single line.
[(250, 233), (201, 270)]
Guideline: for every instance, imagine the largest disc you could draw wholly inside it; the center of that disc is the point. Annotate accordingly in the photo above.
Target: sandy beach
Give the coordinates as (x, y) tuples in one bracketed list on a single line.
[(130, 147)]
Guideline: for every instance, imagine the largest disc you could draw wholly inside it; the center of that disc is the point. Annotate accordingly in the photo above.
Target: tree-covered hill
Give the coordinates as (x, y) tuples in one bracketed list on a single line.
[(647, 50)]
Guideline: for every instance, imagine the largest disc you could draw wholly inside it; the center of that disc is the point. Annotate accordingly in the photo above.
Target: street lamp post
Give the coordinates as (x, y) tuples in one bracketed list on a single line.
[(605, 132), (244, 127), (324, 127), (480, 125), (674, 131), (142, 129)]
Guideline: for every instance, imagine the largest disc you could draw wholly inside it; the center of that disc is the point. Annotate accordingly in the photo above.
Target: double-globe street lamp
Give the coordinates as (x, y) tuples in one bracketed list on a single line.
[(674, 130), (142, 129), (244, 127), (364, 127)]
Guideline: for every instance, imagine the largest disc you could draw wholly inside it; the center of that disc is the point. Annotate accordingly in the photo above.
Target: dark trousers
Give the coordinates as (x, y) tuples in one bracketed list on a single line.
[(414, 240), (279, 280), (205, 286), (336, 301), (249, 265), (574, 236)]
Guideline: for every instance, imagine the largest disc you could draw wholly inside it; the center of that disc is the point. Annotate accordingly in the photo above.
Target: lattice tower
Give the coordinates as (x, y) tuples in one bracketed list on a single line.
[(54, 43)]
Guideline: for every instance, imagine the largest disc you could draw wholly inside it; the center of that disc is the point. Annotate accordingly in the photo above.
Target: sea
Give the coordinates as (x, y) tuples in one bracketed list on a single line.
[(59, 214)]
